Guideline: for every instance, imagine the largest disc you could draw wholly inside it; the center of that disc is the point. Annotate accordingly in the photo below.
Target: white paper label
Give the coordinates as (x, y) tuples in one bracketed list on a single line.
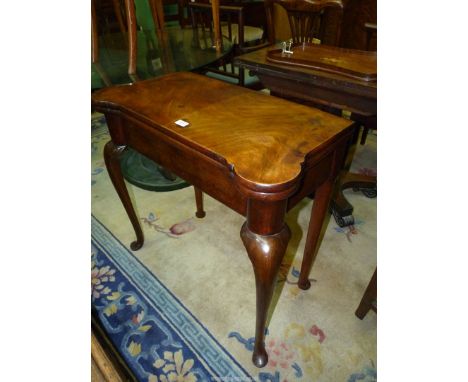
[(182, 123)]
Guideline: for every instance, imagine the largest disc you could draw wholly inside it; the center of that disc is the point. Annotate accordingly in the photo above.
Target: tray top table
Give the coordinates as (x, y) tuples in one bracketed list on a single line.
[(357, 64), (294, 79), (258, 155)]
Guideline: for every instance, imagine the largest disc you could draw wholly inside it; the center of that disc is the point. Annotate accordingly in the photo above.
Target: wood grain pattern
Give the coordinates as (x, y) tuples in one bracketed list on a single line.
[(358, 64), (307, 84), (105, 368), (277, 136)]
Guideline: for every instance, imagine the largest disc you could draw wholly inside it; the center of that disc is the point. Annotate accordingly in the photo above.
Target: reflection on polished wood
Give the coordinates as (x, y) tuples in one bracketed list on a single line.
[(260, 158), (308, 84), (357, 64)]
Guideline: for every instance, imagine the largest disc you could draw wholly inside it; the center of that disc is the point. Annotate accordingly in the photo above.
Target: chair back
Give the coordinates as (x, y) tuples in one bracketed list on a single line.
[(202, 23), (307, 18), (232, 25)]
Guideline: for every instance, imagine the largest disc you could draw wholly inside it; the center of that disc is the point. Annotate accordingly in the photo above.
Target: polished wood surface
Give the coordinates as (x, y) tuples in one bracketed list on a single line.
[(306, 84), (259, 158), (277, 137), (358, 64)]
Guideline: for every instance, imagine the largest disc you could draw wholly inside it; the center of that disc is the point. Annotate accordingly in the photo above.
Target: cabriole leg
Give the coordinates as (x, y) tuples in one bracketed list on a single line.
[(112, 154), (266, 253)]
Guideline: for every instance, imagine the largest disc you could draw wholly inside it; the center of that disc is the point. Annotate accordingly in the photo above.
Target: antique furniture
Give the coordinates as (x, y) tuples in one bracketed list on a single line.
[(260, 159), (307, 19), (332, 92), (369, 299)]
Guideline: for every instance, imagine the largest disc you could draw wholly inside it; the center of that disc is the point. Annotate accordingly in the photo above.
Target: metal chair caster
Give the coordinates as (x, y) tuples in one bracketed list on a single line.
[(342, 221)]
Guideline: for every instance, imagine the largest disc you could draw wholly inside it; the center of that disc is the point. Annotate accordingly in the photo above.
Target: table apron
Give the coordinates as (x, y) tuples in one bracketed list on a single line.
[(203, 172), (326, 95), (213, 177)]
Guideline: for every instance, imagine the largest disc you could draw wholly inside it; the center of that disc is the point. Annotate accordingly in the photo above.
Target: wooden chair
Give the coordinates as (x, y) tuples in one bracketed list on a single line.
[(308, 19), (95, 47), (369, 299), (245, 38)]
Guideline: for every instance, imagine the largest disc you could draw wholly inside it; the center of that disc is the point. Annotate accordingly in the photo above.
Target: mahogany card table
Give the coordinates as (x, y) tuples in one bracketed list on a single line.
[(257, 154)]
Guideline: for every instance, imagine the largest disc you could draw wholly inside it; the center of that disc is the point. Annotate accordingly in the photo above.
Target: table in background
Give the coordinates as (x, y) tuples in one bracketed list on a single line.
[(333, 92)]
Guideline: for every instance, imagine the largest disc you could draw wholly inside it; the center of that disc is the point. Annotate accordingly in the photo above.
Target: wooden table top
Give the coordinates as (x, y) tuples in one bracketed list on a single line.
[(358, 64), (263, 139), (258, 62)]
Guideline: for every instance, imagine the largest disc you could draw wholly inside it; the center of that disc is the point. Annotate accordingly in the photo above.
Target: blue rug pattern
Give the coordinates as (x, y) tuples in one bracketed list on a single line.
[(159, 339)]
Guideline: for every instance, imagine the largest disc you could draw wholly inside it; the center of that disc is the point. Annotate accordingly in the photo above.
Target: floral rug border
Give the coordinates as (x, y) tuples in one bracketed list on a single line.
[(211, 357)]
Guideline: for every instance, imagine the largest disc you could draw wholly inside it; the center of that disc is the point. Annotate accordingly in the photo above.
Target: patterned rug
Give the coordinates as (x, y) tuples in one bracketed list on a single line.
[(182, 308)]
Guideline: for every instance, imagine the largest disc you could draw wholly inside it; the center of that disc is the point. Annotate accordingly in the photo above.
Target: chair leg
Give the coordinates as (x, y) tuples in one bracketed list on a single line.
[(369, 299), (241, 77), (365, 131)]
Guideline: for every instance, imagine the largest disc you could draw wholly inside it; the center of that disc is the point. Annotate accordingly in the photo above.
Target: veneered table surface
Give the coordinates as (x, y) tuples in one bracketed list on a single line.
[(265, 139)]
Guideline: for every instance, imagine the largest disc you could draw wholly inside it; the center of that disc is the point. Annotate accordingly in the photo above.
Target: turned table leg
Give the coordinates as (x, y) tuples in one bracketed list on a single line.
[(112, 154), (199, 201), (317, 216), (266, 252)]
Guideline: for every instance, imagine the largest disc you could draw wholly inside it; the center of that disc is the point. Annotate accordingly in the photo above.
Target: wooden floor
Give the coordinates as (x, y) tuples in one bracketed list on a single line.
[(96, 375), (102, 369)]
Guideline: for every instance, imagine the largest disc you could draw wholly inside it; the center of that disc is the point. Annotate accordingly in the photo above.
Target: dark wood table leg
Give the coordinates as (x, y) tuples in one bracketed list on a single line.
[(266, 244), (199, 201), (322, 198), (369, 299), (112, 154)]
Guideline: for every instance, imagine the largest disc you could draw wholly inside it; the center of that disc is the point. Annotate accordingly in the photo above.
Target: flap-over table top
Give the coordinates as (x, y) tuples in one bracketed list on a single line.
[(262, 138)]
